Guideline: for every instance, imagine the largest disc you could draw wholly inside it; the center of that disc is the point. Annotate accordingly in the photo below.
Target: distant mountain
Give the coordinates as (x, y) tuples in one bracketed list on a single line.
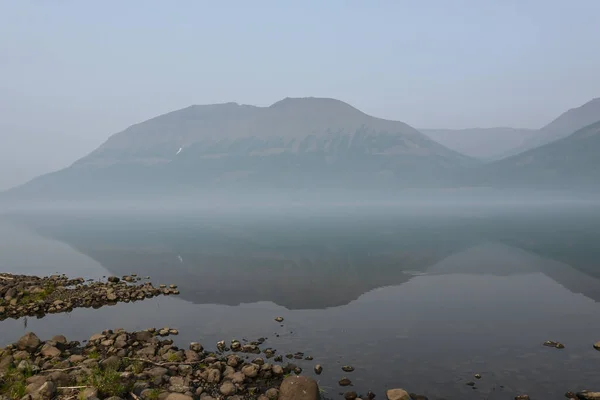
[(568, 162), (567, 123), (483, 143), (496, 143), (294, 143)]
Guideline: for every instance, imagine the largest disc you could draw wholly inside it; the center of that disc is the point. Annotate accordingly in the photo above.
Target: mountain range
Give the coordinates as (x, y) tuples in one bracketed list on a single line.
[(492, 144), (314, 144)]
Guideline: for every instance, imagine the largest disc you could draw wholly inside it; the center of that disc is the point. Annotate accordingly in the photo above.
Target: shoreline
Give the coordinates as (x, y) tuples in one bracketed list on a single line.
[(29, 295), (146, 365)]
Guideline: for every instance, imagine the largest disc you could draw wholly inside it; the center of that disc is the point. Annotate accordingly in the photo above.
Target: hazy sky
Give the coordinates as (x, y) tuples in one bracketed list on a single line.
[(74, 72)]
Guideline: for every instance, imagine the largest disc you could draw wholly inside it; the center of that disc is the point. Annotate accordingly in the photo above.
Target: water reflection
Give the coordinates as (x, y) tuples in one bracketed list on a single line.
[(418, 302), (312, 263)]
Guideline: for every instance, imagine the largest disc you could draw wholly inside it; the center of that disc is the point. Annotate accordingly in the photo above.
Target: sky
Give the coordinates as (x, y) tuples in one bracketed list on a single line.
[(74, 72)]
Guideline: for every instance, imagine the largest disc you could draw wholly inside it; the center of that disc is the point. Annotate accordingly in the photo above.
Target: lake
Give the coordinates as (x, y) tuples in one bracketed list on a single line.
[(416, 298)]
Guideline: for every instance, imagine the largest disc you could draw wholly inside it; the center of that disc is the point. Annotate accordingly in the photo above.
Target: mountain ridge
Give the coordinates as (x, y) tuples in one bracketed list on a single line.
[(294, 143)]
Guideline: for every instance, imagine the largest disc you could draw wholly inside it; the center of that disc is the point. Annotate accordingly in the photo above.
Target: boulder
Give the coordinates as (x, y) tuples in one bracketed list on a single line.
[(397, 394), (29, 342), (49, 351), (250, 370), (227, 389), (298, 388)]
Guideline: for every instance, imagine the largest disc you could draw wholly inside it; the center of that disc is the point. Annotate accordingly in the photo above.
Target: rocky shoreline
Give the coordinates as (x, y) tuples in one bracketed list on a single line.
[(26, 295), (144, 365), (147, 365)]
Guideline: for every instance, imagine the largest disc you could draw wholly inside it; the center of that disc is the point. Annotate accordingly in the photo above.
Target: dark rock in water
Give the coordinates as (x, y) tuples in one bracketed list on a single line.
[(318, 369), (308, 358), (570, 395), (298, 388), (278, 358), (522, 397), (597, 346), (470, 383), (113, 279), (414, 396), (477, 376), (347, 368), (345, 382), (551, 343), (279, 319), (350, 395), (370, 395), (397, 394)]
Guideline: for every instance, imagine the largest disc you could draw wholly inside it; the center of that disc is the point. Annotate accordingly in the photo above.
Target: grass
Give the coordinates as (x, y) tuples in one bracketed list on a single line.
[(107, 382), (153, 395), (93, 355), (14, 384), (28, 297)]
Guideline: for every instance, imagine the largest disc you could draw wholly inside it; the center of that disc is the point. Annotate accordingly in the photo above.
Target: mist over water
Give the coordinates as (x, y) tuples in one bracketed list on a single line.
[(411, 293)]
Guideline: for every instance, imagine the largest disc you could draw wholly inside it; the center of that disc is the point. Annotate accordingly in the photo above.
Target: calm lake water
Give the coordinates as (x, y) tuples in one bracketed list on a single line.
[(420, 299)]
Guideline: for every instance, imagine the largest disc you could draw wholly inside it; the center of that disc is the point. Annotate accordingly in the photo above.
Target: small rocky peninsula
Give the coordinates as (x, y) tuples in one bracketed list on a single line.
[(26, 295)]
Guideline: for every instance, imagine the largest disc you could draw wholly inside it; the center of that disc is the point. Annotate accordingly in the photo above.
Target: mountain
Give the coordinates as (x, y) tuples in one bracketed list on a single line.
[(294, 143), (567, 123), (483, 143), (569, 162), (497, 143)]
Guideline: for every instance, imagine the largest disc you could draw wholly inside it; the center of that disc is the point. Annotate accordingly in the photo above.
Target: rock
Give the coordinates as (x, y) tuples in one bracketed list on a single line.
[(113, 279), (583, 396), (112, 362), (238, 378), (143, 336), (397, 394), (522, 397), (477, 376), (89, 393), (277, 370), (49, 351), (250, 370), (214, 376), (299, 388), (414, 396), (347, 368), (97, 336), (178, 396), (29, 342), (6, 362), (111, 297), (272, 394), (470, 383), (318, 369), (597, 346), (227, 389), (45, 392), (551, 343), (197, 347), (279, 319), (345, 382), (60, 339), (370, 395), (570, 395), (350, 395)]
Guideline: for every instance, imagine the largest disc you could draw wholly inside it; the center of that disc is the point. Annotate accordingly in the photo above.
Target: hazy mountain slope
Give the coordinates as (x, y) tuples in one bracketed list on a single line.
[(295, 143), (483, 143), (571, 161), (567, 123)]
